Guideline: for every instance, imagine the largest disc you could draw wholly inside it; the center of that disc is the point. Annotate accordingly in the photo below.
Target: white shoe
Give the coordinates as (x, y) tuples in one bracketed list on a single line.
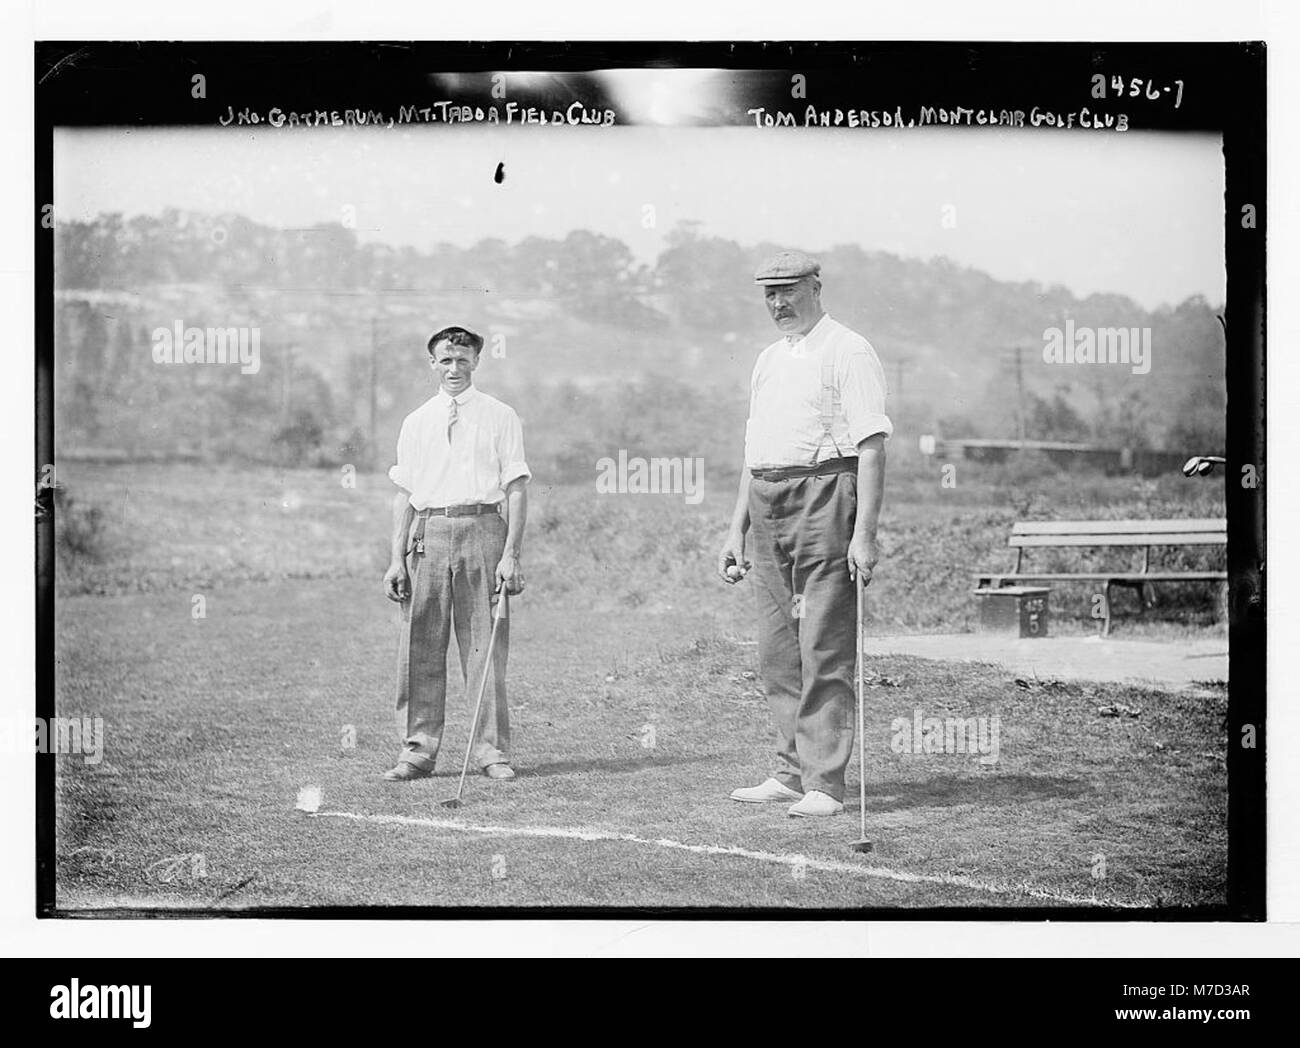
[(816, 803), (765, 793)]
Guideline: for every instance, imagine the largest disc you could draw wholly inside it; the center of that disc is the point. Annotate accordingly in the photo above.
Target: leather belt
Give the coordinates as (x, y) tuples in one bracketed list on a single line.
[(835, 465), (476, 509)]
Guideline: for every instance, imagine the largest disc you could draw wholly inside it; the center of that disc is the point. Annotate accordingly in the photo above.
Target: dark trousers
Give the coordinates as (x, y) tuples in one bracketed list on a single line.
[(800, 531)]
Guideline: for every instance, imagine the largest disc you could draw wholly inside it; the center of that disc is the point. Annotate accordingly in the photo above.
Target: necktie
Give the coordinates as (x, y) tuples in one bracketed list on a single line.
[(452, 415)]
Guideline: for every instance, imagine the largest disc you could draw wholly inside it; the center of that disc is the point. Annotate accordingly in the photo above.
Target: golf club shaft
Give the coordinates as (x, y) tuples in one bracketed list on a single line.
[(482, 687), (862, 741)]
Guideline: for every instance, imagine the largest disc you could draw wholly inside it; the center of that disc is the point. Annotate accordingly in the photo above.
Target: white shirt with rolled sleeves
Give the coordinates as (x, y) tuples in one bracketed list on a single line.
[(484, 454), (785, 403)]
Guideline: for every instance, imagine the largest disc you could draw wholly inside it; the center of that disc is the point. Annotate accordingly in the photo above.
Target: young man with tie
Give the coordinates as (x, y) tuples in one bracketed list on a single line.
[(458, 526), (811, 493)]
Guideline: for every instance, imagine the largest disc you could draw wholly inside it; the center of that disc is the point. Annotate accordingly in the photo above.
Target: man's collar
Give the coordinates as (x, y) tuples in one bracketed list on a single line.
[(460, 398), (795, 340)]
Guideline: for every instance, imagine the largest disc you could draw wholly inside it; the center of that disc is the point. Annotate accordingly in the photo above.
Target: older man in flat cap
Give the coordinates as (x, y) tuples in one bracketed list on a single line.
[(458, 523), (810, 494)]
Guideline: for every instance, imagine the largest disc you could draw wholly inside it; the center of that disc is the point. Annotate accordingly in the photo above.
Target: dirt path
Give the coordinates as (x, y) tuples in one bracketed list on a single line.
[(1180, 663)]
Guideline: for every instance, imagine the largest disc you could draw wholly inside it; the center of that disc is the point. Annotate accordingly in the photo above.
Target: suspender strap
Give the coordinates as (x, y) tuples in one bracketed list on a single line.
[(830, 403), (830, 393)]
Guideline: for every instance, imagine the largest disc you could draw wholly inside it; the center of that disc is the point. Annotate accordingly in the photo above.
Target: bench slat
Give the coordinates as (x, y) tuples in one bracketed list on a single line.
[(1217, 525), (1190, 538), (1110, 527), (1123, 576)]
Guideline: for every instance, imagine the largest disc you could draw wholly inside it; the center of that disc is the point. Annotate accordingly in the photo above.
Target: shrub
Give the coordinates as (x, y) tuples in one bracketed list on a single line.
[(299, 441), (78, 528)]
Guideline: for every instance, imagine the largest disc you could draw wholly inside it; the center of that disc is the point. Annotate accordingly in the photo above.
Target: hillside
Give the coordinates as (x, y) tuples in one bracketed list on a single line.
[(596, 351)]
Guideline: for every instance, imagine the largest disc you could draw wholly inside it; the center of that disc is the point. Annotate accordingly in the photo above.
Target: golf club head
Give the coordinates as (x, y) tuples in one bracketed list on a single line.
[(451, 802), (863, 845)]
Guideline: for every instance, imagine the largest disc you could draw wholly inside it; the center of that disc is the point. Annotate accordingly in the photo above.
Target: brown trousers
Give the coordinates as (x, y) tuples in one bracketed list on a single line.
[(452, 585), (807, 623)]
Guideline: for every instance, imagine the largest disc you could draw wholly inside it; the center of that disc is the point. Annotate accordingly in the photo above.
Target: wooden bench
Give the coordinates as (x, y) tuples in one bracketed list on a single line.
[(1025, 535)]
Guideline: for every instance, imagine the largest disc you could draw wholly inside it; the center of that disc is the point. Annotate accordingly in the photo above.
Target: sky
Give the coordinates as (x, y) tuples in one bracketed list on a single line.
[(1133, 213)]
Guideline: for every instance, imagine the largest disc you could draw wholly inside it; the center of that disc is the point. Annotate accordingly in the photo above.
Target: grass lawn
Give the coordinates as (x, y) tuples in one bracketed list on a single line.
[(213, 726), (199, 528)]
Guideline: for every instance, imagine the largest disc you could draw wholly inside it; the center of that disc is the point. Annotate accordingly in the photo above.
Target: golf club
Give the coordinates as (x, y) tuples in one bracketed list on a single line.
[(862, 844), (502, 598)]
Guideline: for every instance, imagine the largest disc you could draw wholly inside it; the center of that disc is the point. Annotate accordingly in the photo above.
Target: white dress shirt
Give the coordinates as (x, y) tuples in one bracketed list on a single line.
[(785, 402), (484, 453)]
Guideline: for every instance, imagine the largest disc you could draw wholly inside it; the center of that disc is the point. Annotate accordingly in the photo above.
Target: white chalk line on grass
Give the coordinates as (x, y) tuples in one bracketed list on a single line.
[(778, 858)]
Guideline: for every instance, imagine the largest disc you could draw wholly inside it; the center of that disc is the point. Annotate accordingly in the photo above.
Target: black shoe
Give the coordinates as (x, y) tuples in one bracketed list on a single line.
[(405, 772)]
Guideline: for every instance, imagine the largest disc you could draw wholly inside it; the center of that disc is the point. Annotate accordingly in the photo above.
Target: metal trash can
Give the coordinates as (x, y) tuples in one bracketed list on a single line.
[(1018, 610)]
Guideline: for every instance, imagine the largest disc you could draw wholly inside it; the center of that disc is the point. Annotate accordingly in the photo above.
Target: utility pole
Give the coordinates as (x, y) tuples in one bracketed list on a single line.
[(1014, 357), (1020, 396), (286, 386), (371, 436), (900, 368)]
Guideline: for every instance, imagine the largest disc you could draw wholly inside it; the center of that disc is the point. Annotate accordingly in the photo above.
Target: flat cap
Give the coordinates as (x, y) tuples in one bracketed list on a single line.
[(787, 267)]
